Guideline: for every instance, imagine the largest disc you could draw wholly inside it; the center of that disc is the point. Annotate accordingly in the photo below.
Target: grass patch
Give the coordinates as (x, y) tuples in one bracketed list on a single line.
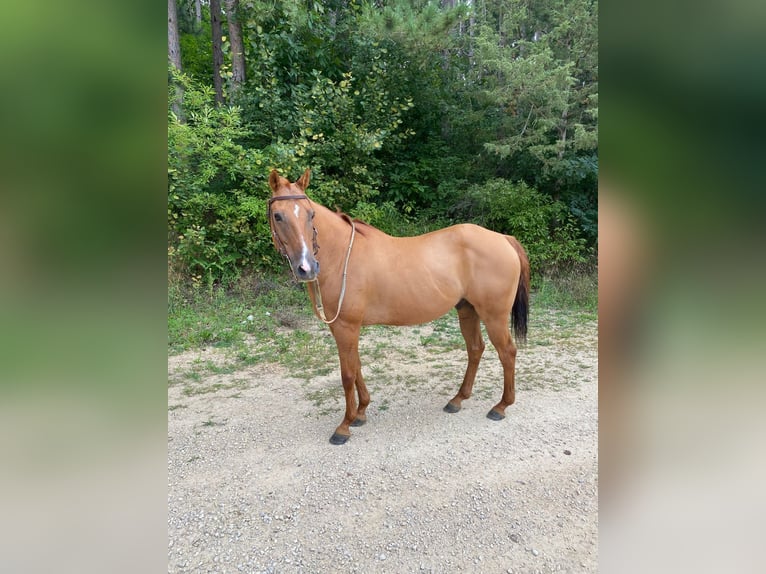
[(200, 316), (328, 394), (572, 290), (560, 304), (305, 353), (446, 334), (269, 319)]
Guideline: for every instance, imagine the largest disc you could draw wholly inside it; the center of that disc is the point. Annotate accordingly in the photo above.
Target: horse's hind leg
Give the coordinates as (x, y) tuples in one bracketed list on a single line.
[(499, 334), (471, 329)]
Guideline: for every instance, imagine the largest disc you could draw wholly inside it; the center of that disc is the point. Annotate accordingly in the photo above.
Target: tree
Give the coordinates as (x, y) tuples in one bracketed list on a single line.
[(189, 16), (237, 45), (538, 74), (198, 13), (174, 53), (174, 45), (215, 25)]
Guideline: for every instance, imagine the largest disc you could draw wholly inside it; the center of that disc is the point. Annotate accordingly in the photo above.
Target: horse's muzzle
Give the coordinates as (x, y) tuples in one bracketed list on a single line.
[(306, 270)]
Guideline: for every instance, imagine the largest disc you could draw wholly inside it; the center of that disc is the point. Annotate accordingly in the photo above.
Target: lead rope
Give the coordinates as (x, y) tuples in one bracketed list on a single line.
[(318, 294)]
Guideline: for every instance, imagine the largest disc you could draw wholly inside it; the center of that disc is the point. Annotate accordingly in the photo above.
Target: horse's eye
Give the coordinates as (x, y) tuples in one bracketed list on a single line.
[(277, 217), (311, 215)]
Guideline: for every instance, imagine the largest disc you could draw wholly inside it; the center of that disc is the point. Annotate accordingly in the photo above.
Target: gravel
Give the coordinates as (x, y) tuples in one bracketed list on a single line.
[(255, 486)]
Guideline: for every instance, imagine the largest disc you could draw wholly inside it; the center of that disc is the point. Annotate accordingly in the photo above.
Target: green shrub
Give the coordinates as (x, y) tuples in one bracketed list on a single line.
[(216, 191), (336, 127), (217, 184), (544, 227)]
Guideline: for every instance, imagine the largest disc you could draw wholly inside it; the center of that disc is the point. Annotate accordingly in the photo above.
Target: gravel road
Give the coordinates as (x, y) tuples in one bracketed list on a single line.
[(255, 486)]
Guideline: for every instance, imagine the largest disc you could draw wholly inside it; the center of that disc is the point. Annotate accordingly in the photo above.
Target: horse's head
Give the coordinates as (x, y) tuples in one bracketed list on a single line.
[(291, 218)]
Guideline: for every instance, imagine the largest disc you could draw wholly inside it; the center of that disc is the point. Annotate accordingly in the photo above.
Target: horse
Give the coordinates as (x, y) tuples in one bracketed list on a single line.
[(370, 278)]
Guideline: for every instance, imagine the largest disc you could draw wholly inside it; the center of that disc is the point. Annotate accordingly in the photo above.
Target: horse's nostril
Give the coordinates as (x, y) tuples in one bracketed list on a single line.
[(305, 270)]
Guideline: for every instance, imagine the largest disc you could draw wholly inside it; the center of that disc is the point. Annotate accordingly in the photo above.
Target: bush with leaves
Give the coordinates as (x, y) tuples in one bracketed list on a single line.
[(339, 132), (544, 227), (217, 185), (216, 191), (337, 127)]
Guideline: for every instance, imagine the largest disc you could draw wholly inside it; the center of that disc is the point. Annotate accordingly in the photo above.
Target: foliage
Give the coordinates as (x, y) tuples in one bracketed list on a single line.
[(403, 109), (310, 109), (216, 225), (197, 54), (337, 128), (388, 218), (544, 227), (538, 77)]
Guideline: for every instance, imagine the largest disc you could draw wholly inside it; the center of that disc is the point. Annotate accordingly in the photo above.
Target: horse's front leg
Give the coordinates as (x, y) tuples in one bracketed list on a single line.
[(347, 339), (364, 399)]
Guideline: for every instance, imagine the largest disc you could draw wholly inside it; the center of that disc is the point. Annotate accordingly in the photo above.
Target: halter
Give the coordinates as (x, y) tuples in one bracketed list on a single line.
[(279, 244)]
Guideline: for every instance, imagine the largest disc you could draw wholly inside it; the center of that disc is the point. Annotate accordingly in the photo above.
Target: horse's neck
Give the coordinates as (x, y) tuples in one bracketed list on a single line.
[(333, 235)]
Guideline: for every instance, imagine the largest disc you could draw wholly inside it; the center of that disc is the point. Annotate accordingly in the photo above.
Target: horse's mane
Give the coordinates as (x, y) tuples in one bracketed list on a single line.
[(362, 227)]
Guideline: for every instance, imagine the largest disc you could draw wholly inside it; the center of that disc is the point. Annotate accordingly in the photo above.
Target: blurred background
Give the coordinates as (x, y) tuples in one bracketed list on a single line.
[(83, 253), (681, 280), (82, 309)]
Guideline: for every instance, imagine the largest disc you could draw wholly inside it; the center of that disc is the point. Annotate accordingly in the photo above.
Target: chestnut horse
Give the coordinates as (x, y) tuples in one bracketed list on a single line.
[(368, 278)]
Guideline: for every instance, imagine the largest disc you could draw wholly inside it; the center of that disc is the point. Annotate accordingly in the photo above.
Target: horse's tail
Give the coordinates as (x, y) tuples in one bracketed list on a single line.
[(520, 310)]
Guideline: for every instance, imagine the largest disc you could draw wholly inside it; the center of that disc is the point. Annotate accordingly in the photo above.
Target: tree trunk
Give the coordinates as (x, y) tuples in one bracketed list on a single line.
[(174, 45), (237, 45), (197, 15), (471, 30), (563, 133), (215, 28), (174, 53)]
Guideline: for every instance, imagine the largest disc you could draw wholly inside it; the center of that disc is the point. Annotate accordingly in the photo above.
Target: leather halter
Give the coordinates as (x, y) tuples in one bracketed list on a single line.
[(278, 243)]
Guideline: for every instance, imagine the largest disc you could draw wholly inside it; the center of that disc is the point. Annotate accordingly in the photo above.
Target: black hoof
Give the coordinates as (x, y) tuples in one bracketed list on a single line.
[(358, 422), (450, 408), (494, 415), (338, 438)]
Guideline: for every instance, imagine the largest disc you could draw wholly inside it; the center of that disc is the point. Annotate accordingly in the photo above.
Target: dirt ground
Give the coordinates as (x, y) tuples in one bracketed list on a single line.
[(255, 486)]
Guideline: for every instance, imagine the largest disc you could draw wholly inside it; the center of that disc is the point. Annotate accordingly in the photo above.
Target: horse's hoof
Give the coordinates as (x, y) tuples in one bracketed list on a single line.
[(494, 415), (359, 421), (338, 438), (450, 408)]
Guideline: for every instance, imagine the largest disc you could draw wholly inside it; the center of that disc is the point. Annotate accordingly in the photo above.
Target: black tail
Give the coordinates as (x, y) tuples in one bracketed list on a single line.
[(520, 310)]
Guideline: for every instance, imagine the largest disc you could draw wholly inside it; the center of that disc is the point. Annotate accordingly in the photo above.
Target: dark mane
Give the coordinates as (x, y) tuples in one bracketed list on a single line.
[(362, 227)]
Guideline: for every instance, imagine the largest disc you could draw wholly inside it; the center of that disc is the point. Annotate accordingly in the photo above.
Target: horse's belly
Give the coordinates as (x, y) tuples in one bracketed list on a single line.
[(411, 317), (401, 307)]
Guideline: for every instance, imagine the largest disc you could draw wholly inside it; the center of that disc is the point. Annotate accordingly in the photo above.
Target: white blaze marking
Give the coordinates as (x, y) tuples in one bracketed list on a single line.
[(304, 256), (304, 262)]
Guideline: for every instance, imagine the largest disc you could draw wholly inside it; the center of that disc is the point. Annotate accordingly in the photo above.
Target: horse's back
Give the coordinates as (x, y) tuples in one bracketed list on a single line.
[(466, 252), (417, 279)]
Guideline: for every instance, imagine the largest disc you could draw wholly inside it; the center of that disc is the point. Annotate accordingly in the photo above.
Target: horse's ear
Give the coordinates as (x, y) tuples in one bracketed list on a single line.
[(303, 182), (274, 180)]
